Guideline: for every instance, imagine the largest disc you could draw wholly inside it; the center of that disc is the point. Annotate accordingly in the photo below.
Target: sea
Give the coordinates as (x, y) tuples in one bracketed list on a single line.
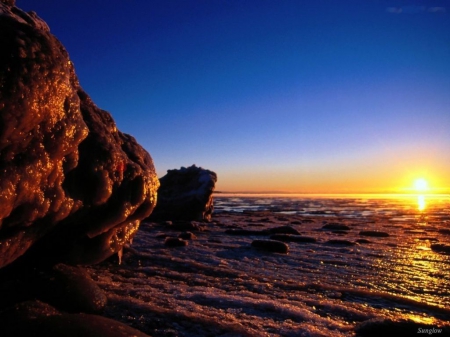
[(368, 267)]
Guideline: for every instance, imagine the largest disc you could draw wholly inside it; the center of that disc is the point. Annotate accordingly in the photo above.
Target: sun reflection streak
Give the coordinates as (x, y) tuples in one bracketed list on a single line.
[(421, 204)]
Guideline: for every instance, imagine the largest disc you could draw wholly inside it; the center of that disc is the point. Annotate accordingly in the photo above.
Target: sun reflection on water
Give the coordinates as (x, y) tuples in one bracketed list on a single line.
[(421, 204)]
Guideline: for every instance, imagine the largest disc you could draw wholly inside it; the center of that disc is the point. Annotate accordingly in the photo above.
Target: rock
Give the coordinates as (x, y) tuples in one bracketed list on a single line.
[(187, 236), (336, 226), (185, 194), (187, 226), (444, 231), (284, 230), (69, 178), (175, 242), (441, 248), (340, 242), (247, 232), (363, 241), (374, 234), (271, 246), (72, 289), (35, 318), (292, 238)]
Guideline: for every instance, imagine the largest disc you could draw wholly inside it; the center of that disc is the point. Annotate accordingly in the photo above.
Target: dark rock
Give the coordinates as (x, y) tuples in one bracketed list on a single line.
[(444, 231), (363, 241), (271, 246), (187, 226), (296, 222), (284, 230), (247, 232), (187, 236), (69, 178), (340, 242), (72, 289), (336, 226), (185, 194), (292, 238), (374, 234), (441, 248), (39, 319), (175, 242)]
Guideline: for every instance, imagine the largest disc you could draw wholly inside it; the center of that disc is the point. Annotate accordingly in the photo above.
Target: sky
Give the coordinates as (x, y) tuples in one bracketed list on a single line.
[(318, 96)]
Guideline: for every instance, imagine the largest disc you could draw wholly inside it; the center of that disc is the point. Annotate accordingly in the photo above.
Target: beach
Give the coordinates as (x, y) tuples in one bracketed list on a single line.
[(353, 264)]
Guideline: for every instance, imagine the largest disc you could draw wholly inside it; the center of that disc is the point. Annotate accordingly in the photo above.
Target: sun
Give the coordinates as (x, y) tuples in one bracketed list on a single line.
[(421, 185)]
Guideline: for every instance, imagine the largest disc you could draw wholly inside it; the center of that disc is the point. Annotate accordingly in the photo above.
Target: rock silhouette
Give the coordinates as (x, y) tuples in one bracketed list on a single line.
[(73, 187), (185, 194)]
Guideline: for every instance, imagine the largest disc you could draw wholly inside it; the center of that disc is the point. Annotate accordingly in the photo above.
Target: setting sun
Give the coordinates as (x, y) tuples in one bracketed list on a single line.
[(421, 185)]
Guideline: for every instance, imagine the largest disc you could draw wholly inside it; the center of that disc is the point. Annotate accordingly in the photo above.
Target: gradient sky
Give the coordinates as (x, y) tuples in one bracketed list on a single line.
[(273, 95)]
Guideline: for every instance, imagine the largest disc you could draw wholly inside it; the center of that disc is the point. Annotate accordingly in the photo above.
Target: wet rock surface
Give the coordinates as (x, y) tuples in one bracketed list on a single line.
[(185, 194), (73, 187)]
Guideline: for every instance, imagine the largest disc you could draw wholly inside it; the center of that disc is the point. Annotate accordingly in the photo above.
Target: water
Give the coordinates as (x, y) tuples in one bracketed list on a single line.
[(219, 285)]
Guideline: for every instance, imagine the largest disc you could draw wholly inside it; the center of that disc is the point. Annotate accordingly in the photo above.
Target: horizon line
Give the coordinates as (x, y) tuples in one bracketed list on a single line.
[(316, 193)]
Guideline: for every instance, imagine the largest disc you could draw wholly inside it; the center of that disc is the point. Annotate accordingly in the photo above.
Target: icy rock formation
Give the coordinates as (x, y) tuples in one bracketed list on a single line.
[(185, 194), (72, 187)]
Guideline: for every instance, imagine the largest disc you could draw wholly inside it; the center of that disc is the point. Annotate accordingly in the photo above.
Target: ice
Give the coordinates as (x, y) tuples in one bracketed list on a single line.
[(219, 285)]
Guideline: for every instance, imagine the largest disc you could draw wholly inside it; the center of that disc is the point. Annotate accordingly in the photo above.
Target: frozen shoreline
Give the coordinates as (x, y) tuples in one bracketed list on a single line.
[(219, 285)]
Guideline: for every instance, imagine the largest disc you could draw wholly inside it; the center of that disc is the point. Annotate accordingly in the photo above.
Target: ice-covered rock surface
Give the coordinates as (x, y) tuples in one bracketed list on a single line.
[(69, 178), (186, 194), (219, 285)]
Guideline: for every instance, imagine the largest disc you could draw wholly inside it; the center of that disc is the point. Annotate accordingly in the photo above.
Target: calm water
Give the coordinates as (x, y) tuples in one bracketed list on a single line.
[(219, 285)]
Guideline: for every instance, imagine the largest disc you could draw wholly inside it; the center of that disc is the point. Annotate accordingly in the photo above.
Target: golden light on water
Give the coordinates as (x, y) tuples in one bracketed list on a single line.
[(421, 204)]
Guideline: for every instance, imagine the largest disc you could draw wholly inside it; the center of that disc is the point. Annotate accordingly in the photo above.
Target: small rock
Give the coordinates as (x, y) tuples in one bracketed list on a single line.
[(363, 241), (175, 242), (441, 248), (374, 234), (284, 230), (246, 232), (187, 226), (336, 226), (271, 246), (187, 236), (296, 222), (340, 242), (292, 238)]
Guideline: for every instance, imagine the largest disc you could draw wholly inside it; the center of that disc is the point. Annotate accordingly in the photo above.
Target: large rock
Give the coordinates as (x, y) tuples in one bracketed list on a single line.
[(185, 194), (72, 186)]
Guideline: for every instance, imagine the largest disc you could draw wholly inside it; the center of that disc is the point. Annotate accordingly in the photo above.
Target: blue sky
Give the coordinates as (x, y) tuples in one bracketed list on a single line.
[(304, 96)]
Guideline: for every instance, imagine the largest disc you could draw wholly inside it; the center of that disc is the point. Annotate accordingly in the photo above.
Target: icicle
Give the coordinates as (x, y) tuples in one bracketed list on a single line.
[(119, 254)]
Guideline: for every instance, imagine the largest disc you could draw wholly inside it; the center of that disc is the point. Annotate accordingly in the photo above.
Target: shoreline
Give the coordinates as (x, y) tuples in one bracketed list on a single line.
[(219, 284)]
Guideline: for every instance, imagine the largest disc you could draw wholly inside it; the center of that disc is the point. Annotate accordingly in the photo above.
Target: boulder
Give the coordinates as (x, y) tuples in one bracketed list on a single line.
[(185, 195), (73, 187)]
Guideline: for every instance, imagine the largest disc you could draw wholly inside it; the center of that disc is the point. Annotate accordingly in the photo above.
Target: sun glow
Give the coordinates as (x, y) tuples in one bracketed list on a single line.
[(421, 185)]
